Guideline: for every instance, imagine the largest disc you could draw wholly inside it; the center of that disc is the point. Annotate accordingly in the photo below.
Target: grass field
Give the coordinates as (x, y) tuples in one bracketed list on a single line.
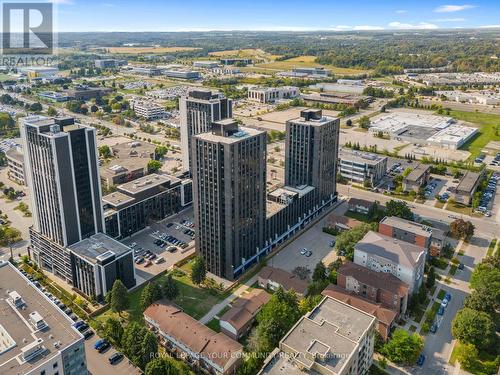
[(488, 124), (462, 209), (137, 50), (249, 52), (307, 62)]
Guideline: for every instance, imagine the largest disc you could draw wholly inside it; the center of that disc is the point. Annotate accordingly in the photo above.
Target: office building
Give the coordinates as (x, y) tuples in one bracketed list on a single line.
[(417, 178), (97, 262), (15, 163), (182, 74), (109, 63), (332, 339), (206, 64), (229, 194), (466, 188), (148, 109), (239, 61), (272, 94), (62, 176), (185, 337), (198, 110), (311, 152), (36, 337), (379, 287), (360, 166), (137, 203), (84, 92), (382, 253)]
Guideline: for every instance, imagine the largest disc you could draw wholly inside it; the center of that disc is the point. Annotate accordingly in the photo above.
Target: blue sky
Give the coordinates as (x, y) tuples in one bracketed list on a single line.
[(183, 15)]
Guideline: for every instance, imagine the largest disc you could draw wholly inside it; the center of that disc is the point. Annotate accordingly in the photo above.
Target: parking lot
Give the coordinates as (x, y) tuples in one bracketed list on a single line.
[(98, 363), (164, 255), (314, 240)]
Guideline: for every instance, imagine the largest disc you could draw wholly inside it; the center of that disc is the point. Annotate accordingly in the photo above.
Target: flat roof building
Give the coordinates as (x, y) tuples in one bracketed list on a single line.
[(332, 339), (148, 109), (15, 163), (382, 253), (466, 188), (272, 94), (36, 336), (360, 166), (417, 178)]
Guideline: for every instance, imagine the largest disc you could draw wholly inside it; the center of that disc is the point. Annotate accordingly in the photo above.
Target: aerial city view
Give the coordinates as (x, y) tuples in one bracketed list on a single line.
[(249, 187)]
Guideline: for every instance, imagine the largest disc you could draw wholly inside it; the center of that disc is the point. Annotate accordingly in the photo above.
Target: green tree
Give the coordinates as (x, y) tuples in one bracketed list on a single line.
[(149, 348), (104, 151), (431, 278), (51, 111), (460, 228), (483, 299), (132, 342), (113, 331), (153, 166), (364, 122), (398, 209), (347, 239), (162, 366), (161, 151), (403, 348), (119, 297), (170, 289), (149, 294), (198, 270), (473, 327), (319, 273), (466, 355)]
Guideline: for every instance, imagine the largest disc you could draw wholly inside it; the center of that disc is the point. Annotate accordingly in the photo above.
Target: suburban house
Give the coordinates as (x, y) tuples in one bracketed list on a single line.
[(341, 222), (417, 178), (433, 239), (361, 206), (237, 321), (272, 278), (386, 318), (382, 253), (183, 336), (378, 287)]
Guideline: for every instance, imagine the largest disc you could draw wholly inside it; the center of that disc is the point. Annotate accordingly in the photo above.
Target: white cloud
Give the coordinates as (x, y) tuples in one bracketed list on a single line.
[(401, 11), (453, 8), (367, 27), (489, 27), (340, 28), (449, 20), (409, 26)]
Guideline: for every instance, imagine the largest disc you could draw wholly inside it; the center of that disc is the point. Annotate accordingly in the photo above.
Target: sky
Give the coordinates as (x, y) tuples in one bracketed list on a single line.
[(273, 15)]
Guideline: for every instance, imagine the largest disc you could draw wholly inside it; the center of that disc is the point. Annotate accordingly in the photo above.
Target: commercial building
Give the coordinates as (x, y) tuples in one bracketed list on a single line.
[(332, 339), (238, 320), (229, 194), (226, 70), (466, 188), (54, 96), (148, 109), (109, 63), (147, 71), (15, 163), (62, 176), (232, 61), (39, 71), (432, 239), (386, 318), (150, 198), (458, 79), (274, 278), (378, 287), (311, 152), (452, 137), (417, 178), (36, 337), (206, 64), (97, 262), (272, 94), (362, 166), (83, 92), (204, 350), (336, 98), (182, 74), (382, 253), (198, 110)]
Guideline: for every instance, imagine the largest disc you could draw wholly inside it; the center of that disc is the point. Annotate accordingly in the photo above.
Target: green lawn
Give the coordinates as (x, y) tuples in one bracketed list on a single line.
[(441, 294), (488, 124), (492, 246), (453, 269), (214, 325), (462, 209), (357, 216)]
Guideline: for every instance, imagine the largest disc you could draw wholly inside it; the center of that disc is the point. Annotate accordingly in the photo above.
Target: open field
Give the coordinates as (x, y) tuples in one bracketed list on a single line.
[(137, 50), (249, 52), (489, 129), (307, 62)]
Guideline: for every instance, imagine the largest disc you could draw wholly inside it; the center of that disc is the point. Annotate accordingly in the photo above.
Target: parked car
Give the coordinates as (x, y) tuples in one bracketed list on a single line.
[(441, 310), (98, 343), (159, 260), (444, 303), (83, 327), (461, 266), (434, 328), (88, 334), (105, 346), (421, 360), (115, 358)]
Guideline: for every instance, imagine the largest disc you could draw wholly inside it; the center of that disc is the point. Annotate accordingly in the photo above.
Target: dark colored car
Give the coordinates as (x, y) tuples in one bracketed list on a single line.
[(105, 346), (88, 334), (421, 360), (115, 358)]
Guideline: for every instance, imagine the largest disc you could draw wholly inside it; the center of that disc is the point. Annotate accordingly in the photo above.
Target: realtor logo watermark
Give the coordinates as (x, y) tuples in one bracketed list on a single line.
[(27, 34)]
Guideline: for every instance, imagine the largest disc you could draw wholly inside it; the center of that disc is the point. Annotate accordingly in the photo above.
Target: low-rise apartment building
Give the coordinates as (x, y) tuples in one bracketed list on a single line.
[(182, 335), (15, 163), (386, 318), (332, 339), (433, 239), (36, 336), (359, 166), (378, 287), (466, 188), (417, 178), (382, 253), (237, 321), (272, 94)]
